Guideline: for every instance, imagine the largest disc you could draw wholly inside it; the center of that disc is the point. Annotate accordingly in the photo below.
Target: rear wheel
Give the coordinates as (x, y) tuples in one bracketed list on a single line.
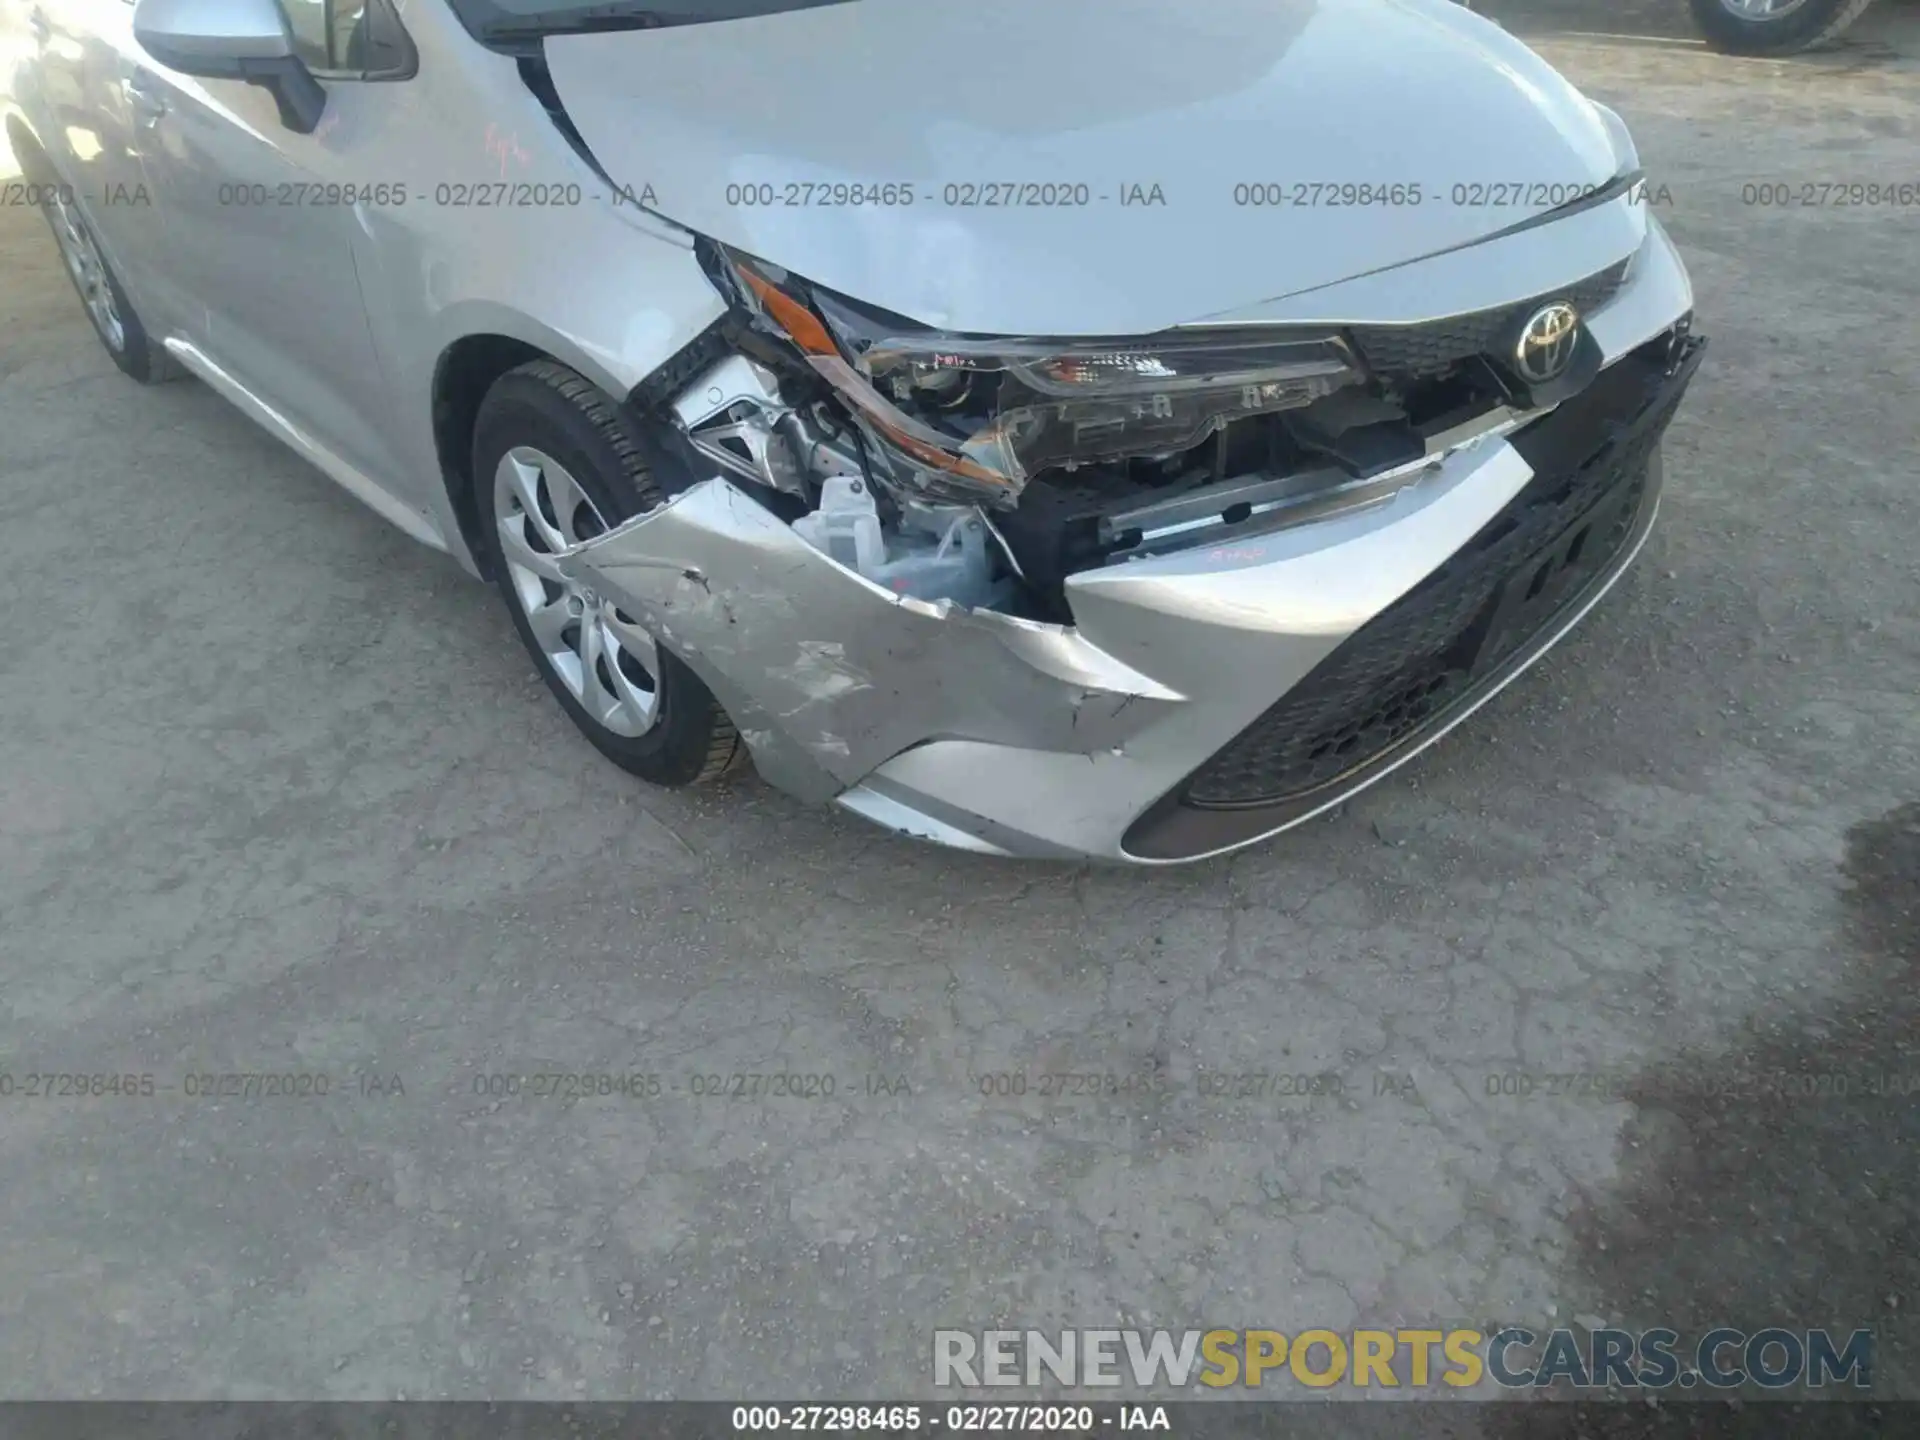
[(554, 464), (1773, 27), (108, 309)]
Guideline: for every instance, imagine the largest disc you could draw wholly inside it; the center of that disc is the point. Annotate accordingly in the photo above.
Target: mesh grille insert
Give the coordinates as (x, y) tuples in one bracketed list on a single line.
[(1483, 605), (1419, 351)]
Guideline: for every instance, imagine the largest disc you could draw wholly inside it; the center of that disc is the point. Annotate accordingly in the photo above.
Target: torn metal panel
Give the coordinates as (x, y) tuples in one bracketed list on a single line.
[(828, 675)]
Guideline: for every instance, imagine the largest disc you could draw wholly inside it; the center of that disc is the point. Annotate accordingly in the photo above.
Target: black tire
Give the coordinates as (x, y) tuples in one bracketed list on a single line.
[(1814, 23), (135, 352), (561, 413)]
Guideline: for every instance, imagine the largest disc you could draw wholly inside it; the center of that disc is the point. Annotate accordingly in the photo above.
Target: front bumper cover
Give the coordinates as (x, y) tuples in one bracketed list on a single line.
[(1148, 730)]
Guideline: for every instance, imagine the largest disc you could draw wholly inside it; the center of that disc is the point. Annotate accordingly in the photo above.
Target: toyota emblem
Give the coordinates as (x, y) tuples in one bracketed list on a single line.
[(1547, 343)]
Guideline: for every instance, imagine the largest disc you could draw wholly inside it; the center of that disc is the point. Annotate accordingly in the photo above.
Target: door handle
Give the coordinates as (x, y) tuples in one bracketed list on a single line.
[(142, 98)]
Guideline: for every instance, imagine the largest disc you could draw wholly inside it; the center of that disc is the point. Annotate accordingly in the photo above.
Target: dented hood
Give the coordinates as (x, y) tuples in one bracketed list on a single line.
[(781, 135)]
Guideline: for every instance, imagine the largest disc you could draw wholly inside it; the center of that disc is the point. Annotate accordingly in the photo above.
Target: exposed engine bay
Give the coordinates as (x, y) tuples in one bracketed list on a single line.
[(986, 471)]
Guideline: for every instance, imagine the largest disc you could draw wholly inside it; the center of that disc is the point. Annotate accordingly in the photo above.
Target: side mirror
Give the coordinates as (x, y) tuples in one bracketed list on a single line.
[(233, 40)]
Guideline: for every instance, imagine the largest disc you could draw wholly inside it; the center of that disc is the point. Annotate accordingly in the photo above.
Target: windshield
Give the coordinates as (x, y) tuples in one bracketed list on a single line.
[(529, 19)]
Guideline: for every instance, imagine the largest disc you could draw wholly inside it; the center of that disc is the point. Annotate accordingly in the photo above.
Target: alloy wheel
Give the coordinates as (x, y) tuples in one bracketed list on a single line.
[(89, 272), (1762, 9), (606, 660)]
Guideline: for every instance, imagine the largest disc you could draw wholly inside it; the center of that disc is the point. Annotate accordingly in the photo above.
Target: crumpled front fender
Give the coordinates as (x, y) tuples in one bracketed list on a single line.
[(828, 675)]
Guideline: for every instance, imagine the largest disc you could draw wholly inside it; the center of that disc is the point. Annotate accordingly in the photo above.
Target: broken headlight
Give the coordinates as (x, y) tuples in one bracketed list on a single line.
[(973, 419)]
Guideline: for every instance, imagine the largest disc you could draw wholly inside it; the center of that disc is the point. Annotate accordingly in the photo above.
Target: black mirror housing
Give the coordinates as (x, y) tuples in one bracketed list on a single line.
[(233, 40)]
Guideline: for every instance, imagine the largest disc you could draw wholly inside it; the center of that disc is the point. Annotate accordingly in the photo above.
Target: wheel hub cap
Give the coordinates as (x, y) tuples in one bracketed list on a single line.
[(1762, 9), (89, 273), (607, 662)]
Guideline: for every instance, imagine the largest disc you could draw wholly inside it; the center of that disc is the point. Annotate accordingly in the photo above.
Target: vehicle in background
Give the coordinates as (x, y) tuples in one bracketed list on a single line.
[(1774, 27)]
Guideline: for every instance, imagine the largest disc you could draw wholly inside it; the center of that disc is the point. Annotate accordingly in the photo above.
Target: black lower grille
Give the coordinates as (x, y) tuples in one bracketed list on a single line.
[(1422, 351), (1429, 650)]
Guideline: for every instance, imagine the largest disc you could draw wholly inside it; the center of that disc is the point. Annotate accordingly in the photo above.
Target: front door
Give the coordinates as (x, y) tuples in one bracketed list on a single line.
[(266, 229)]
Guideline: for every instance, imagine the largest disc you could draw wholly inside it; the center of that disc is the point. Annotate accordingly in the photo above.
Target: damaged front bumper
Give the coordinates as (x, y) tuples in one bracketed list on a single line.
[(1203, 699)]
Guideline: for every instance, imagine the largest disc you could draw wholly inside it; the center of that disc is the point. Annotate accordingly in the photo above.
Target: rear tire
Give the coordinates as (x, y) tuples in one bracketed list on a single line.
[(1738, 29), (554, 463), (109, 311)]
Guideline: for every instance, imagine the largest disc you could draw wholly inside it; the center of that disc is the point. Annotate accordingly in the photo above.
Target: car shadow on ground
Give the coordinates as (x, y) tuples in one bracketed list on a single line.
[(1764, 1209)]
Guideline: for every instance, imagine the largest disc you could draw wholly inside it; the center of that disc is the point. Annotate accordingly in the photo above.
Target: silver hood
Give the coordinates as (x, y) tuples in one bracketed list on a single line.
[(1194, 97)]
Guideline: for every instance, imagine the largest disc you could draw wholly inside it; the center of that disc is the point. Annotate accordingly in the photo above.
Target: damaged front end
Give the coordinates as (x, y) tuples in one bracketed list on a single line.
[(987, 470), (828, 675), (1011, 593)]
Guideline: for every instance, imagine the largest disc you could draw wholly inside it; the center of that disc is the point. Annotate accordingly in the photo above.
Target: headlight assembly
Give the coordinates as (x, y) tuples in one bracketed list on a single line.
[(973, 419)]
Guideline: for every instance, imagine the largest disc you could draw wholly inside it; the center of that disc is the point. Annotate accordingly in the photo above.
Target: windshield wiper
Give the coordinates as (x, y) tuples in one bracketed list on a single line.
[(593, 19)]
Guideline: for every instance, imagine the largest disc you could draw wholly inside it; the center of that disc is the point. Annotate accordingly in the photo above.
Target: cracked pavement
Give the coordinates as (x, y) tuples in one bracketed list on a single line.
[(279, 793)]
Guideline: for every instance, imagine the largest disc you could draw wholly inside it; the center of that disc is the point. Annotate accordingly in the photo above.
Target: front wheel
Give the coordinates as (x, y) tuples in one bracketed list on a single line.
[(1773, 27), (554, 465)]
